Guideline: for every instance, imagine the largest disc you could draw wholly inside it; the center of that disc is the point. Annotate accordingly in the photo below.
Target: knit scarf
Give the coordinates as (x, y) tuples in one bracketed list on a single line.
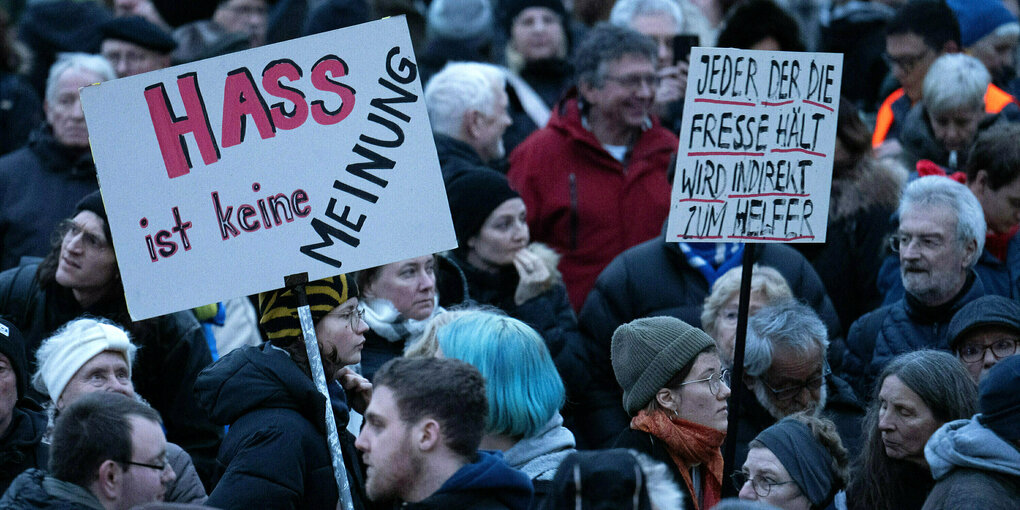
[(713, 259), (384, 319), (688, 444)]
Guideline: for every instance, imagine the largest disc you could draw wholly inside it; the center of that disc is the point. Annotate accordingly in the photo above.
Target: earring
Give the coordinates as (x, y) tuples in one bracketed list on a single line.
[(676, 413)]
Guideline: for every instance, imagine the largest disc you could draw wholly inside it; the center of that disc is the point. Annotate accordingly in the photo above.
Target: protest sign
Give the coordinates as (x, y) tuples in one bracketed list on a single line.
[(756, 147), (223, 176)]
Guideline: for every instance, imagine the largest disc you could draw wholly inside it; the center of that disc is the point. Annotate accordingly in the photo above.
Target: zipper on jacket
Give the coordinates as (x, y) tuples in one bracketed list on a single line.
[(574, 219)]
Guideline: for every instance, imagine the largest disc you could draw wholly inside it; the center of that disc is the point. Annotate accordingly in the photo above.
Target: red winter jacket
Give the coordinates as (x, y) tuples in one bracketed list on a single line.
[(585, 204)]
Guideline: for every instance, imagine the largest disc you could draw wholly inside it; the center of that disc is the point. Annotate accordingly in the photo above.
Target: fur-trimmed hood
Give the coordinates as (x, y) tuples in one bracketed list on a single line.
[(873, 183)]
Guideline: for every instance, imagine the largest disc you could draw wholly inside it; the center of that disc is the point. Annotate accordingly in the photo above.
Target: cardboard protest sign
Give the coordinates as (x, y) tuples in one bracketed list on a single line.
[(223, 176), (756, 147)]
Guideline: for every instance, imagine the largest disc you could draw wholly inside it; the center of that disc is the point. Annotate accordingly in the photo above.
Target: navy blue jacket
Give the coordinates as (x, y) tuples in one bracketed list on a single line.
[(486, 483)]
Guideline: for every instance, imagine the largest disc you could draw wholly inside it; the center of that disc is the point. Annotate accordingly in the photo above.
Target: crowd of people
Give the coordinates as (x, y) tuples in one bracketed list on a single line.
[(566, 354)]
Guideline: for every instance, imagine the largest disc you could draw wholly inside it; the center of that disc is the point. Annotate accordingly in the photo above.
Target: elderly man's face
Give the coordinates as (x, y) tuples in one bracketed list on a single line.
[(662, 29), (955, 129), (129, 59), (250, 17), (933, 260), (63, 110), (489, 127), (626, 94), (794, 382)]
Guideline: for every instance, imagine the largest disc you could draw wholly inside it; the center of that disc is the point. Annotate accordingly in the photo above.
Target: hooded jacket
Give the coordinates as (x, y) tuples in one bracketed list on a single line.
[(584, 203), (40, 184), (487, 483), (275, 454), (973, 468)]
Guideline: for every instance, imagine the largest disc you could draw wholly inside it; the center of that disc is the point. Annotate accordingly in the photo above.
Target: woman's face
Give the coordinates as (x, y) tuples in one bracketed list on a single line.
[(763, 467), (904, 421), (697, 403), (502, 235), (409, 284), (537, 34), (724, 331), (106, 371), (87, 263), (341, 335)]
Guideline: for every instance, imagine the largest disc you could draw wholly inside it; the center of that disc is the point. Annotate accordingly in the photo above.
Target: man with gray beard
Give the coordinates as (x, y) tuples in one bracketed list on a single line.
[(785, 371), (939, 240)]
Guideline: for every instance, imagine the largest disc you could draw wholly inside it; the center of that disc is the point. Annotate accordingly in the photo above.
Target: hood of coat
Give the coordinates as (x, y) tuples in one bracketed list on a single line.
[(538, 456), (872, 183), (490, 474), (968, 444)]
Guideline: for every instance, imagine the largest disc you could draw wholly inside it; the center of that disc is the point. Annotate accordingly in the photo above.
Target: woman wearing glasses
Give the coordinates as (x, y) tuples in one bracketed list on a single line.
[(984, 332), (675, 390), (276, 452), (797, 464), (80, 276), (916, 394)]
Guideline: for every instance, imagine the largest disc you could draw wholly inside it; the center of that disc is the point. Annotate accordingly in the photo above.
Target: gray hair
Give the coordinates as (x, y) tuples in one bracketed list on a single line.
[(789, 324), (955, 81), (764, 279), (624, 11), (940, 192), (459, 88), (606, 43), (94, 64)]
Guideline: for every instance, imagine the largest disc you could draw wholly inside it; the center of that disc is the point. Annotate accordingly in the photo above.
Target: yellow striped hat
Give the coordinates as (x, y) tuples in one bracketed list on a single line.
[(278, 308)]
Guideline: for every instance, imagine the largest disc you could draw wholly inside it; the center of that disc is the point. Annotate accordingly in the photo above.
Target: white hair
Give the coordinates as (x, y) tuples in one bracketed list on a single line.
[(943, 193), (94, 64), (459, 88), (955, 81), (625, 11), (789, 324)]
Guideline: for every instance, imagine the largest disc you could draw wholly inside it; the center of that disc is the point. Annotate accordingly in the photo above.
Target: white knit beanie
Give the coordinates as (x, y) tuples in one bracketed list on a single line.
[(63, 354)]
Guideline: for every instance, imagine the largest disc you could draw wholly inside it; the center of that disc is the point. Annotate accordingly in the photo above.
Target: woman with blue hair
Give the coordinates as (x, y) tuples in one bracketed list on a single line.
[(524, 391)]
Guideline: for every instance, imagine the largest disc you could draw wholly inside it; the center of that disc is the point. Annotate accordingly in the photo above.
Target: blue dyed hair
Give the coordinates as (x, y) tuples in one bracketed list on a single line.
[(522, 385)]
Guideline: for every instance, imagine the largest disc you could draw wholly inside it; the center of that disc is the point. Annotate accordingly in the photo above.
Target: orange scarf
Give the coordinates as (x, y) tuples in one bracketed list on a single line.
[(688, 444)]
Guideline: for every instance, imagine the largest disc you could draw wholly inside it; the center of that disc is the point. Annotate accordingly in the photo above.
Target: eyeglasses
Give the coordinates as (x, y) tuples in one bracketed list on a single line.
[(1001, 348), (68, 230), (792, 391), (157, 467), (634, 81), (761, 486), (906, 63), (927, 243), (715, 381), (349, 316)]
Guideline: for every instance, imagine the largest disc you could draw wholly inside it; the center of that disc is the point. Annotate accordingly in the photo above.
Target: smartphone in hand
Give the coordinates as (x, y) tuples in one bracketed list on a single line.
[(682, 45)]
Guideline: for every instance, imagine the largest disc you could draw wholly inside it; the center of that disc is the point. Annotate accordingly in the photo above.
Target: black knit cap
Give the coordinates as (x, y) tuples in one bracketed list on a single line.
[(983, 311), (511, 8), (93, 202), (473, 195), (12, 345), (140, 31), (999, 400)]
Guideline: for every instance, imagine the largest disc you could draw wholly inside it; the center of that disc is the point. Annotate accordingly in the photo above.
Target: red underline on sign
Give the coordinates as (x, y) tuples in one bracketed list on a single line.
[(720, 101), (766, 103), (820, 105), (725, 153), (771, 238), (805, 151), (681, 236), (757, 195), (705, 200)]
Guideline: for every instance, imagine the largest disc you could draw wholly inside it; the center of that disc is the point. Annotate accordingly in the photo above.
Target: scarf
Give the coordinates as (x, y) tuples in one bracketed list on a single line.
[(384, 319), (998, 244), (713, 259), (688, 444)]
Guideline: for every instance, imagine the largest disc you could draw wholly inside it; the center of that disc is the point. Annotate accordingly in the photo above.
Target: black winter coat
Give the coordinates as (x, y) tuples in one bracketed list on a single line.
[(21, 446), (172, 351), (27, 492), (40, 184), (654, 279), (275, 454), (645, 443), (907, 325), (457, 157)]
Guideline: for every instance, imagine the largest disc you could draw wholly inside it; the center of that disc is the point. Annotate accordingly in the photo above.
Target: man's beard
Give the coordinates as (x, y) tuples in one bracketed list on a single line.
[(764, 397)]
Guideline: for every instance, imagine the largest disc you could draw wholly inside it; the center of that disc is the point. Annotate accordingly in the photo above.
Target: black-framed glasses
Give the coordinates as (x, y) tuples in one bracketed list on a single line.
[(761, 486), (790, 392), (715, 381), (1001, 348), (69, 229), (634, 81), (905, 62), (927, 243), (157, 467)]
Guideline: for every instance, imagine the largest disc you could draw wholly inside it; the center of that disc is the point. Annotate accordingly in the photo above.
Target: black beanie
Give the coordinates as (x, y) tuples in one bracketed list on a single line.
[(139, 31), (473, 195), (511, 8), (93, 202), (12, 345)]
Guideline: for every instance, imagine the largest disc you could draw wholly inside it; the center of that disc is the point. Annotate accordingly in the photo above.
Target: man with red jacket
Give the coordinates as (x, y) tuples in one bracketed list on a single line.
[(594, 179)]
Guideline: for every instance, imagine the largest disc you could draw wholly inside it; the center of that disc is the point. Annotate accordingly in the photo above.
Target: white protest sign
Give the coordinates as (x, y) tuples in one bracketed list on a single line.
[(756, 147), (223, 176)]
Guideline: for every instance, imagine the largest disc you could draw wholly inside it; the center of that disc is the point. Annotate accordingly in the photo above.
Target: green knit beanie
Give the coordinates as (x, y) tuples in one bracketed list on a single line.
[(648, 352)]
